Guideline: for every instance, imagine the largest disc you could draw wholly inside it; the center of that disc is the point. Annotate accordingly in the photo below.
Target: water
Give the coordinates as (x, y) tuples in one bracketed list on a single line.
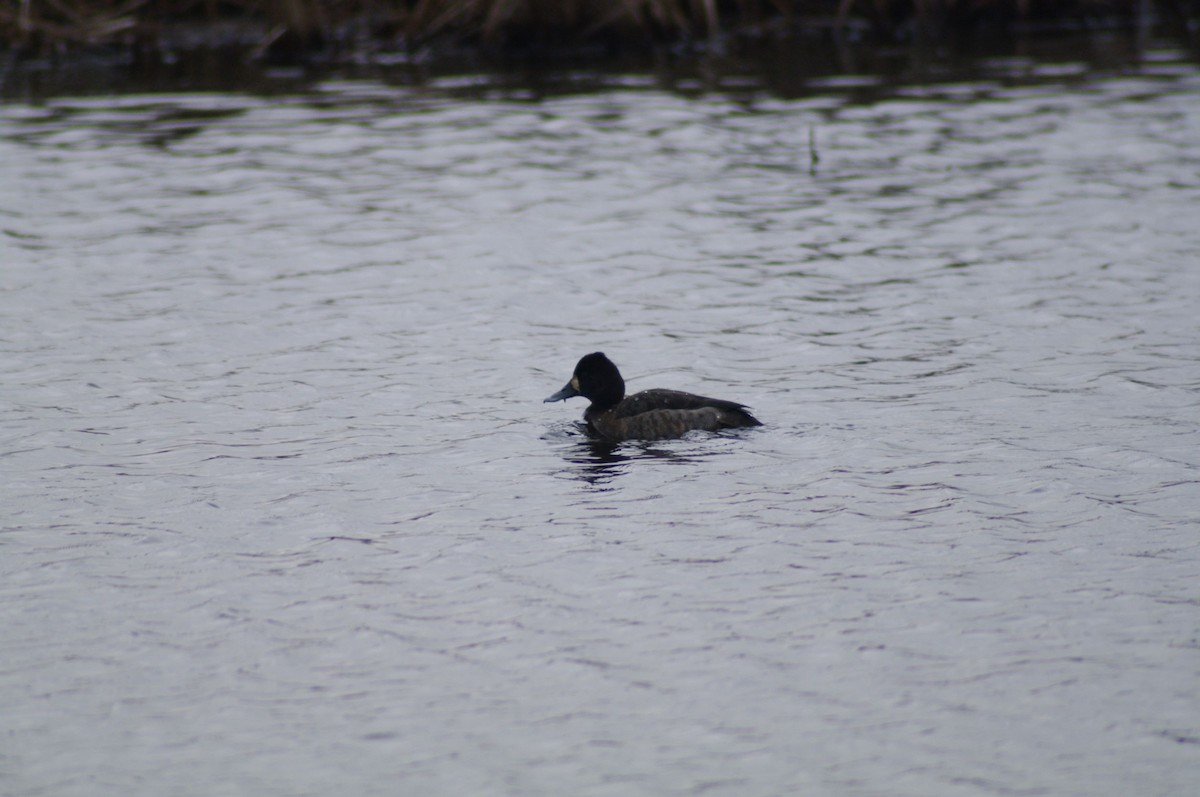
[(284, 512)]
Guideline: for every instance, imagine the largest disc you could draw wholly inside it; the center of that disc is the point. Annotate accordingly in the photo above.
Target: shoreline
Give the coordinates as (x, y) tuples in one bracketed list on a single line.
[(301, 31), (787, 61)]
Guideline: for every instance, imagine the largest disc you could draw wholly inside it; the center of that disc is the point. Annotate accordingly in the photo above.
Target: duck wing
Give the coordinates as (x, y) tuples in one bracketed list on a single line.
[(659, 399), (662, 414)]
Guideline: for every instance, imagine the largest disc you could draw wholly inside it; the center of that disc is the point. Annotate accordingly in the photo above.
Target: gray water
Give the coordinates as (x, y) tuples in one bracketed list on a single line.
[(283, 512)]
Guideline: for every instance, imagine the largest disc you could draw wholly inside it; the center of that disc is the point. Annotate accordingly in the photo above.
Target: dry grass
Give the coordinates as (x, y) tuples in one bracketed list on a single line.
[(39, 25)]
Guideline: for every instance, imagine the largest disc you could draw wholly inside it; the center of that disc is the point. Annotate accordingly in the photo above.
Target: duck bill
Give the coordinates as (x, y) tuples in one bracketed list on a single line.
[(567, 392)]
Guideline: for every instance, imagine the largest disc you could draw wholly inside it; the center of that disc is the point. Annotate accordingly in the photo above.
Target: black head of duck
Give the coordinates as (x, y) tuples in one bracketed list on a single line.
[(650, 415)]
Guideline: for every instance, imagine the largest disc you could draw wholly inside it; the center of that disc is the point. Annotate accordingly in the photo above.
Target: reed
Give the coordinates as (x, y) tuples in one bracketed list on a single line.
[(38, 25)]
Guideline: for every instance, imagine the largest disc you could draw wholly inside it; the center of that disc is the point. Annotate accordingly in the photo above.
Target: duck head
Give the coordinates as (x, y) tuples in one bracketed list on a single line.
[(595, 378)]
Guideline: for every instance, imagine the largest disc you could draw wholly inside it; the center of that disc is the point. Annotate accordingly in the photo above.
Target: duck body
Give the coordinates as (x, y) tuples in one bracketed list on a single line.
[(649, 415)]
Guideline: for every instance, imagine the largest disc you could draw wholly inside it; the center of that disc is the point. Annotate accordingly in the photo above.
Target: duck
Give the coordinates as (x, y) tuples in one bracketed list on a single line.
[(649, 415)]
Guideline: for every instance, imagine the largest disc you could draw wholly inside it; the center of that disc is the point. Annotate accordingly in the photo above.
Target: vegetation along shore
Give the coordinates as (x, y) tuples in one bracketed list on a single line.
[(332, 29)]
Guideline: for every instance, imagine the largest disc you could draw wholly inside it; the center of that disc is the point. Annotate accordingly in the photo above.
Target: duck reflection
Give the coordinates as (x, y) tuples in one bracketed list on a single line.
[(598, 461)]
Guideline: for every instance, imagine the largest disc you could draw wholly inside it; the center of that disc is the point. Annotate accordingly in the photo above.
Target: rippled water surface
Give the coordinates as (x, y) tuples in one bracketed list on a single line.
[(283, 512)]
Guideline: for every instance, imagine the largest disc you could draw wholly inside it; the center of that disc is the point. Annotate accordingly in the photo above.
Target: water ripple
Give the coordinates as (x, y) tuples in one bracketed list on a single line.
[(275, 459)]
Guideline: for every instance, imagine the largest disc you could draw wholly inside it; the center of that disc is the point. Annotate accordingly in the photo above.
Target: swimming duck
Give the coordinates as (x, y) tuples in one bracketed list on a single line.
[(649, 415)]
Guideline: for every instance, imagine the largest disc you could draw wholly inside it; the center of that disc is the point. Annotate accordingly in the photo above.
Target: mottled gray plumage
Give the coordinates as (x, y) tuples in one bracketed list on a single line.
[(650, 415)]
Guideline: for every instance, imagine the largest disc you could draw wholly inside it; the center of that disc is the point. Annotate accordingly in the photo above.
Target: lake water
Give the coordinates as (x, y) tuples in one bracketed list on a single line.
[(284, 513)]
